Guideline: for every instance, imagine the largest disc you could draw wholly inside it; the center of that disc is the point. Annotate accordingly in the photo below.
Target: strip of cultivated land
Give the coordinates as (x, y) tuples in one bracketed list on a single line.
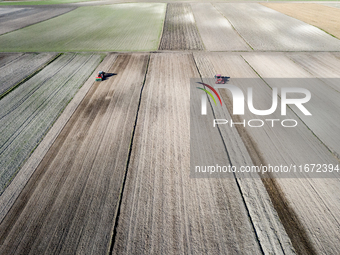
[(163, 209), (15, 18), (324, 17), (120, 27), (216, 31), (29, 111), (68, 206), (267, 30), (180, 31), (14, 71), (324, 104), (303, 204)]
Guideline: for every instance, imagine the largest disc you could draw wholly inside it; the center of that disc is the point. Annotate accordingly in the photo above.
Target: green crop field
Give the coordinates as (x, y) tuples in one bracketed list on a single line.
[(120, 27)]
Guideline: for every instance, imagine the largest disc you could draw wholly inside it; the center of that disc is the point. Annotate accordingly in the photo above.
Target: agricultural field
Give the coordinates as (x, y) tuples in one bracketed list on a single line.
[(297, 146), (180, 31), (30, 110), (72, 176), (105, 167), (120, 27), (324, 17), (19, 67), (15, 18), (216, 31), (267, 30)]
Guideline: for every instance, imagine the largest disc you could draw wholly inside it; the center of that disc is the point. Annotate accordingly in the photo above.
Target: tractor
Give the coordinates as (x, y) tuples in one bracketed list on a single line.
[(100, 76), (219, 79)]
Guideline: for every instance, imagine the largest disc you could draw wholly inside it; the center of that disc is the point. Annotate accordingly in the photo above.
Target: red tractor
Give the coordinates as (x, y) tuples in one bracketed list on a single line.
[(219, 79), (100, 76)]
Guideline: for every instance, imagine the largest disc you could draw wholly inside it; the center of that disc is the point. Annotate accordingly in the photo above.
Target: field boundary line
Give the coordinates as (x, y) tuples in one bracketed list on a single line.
[(161, 34), (30, 75), (120, 199), (217, 9), (14, 189)]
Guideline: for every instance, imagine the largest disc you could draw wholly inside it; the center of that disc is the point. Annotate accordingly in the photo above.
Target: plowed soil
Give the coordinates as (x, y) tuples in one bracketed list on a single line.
[(180, 31)]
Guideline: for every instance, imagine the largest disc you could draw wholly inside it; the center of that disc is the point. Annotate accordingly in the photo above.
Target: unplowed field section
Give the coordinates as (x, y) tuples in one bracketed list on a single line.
[(19, 68), (68, 206), (216, 32), (311, 200), (324, 17), (163, 209), (180, 31), (29, 111), (268, 30), (15, 18), (119, 27)]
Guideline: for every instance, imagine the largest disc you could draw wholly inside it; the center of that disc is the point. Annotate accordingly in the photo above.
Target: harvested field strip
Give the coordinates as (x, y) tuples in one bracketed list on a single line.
[(68, 206), (324, 17), (24, 17), (180, 31), (270, 232), (163, 209), (324, 65), (216, 31), (119, 27), (324, 104), (268, 30), (20, 68), (281, 146), (30, 110)]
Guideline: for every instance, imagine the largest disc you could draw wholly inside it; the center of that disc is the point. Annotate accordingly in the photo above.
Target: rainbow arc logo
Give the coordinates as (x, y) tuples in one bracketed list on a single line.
[(209, 93)]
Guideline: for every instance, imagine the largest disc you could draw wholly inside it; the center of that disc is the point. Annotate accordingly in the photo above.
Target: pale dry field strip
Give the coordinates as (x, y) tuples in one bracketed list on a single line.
[(312, 200), (117, 27), (216, 31), (325, 17), (324, 104), (163, 209), (267, 30), (179, 30), (69, 204), (15, 18), (29, 111), (14, 71)]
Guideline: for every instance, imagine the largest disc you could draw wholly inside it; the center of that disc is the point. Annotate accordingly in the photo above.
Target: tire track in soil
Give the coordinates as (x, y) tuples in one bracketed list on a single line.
[(68, 204), (179, 30)]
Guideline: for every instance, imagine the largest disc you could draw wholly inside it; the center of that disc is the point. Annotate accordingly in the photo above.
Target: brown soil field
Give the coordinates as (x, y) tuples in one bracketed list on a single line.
[(163, 209), (301, 202), (69, 203), (180, 31), (28, 16), (324, 17)]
